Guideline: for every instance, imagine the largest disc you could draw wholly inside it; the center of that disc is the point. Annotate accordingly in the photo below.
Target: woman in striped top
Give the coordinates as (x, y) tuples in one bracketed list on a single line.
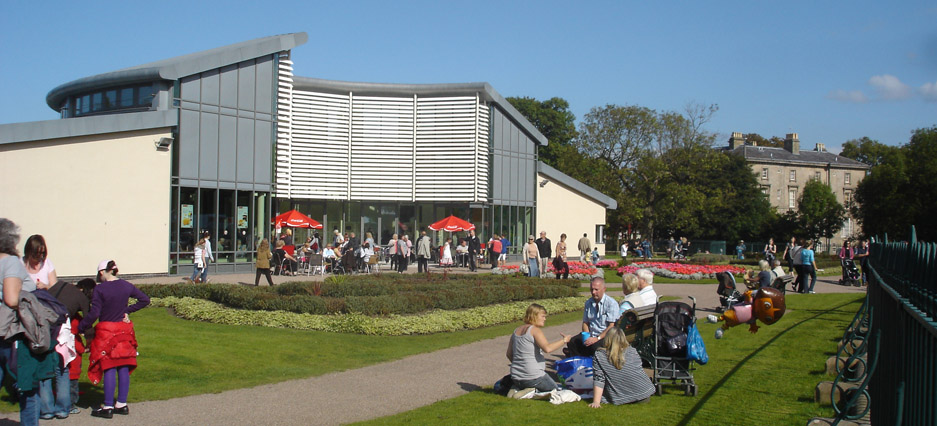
[(618, 377)]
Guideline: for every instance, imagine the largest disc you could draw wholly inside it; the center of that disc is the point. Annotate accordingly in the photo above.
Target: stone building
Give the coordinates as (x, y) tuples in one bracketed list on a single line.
[(783, 172)]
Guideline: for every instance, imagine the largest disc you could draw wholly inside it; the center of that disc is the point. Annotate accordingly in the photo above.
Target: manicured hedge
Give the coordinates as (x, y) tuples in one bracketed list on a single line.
[(370, 295), (436, 321)]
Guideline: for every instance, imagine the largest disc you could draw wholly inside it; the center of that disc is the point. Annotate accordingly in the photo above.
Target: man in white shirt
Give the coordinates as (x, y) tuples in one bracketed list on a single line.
[(208, 256), (646, 286)]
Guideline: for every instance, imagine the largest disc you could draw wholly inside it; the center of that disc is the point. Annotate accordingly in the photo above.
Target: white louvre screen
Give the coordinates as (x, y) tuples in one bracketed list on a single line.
[(382, 148), (284, 125), (446, 160), (320, 146)]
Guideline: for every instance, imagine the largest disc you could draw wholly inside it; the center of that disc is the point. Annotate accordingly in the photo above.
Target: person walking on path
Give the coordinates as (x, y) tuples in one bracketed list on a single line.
[(532, 257), (423, 252), (788, 255), (771, 251), (263, 262), (585, 247), (546, 252), (809, 268), (494, 250), (403, 254), (560, 265), (505, 243), (862, 253), (798, 265), (114, 348), (671, 248), (740, 250), (474, 246)]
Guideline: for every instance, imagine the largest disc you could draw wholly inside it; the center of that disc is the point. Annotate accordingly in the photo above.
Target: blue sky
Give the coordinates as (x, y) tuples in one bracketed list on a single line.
[(831, 71)]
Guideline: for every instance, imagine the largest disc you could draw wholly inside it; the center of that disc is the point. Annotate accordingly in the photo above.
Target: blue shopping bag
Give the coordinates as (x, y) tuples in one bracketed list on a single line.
[(576, 373), (695, 348)]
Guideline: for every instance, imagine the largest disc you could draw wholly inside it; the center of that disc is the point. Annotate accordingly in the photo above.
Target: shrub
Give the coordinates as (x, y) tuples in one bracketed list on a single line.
[(368, 295), (436, 321), (708, 258)]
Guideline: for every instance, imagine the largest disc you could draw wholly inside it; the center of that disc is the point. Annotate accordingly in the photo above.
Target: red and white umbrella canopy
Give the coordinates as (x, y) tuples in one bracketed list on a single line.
[(452, 224), (295, 219)]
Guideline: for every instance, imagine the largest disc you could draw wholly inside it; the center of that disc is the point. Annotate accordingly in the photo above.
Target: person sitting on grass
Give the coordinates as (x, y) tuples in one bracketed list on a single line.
[(618, 377), (526, 349)]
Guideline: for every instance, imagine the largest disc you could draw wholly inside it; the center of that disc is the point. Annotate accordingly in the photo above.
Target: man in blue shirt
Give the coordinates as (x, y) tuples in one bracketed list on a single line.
[(600, 312)]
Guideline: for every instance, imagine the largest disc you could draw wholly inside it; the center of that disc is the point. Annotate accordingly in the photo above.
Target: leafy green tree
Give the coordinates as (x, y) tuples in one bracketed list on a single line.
[(899, 190), (756, 139), (555, 121), (819, 213), (869, 151)]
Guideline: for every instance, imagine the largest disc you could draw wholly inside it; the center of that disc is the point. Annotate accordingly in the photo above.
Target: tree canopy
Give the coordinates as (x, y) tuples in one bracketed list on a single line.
[(820, 214), (899, 190)]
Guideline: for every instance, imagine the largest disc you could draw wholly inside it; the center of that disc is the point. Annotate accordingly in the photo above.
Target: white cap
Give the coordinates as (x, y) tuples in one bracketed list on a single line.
[(103, 265)]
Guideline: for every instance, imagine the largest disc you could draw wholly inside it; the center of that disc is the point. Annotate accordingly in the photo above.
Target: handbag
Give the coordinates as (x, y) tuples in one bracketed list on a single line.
[(695, 348)]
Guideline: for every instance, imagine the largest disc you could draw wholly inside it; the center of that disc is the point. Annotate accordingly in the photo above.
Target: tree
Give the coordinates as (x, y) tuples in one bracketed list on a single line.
[(756, 139), (899, 190), (819, 213), (555, 121), (869, 151)]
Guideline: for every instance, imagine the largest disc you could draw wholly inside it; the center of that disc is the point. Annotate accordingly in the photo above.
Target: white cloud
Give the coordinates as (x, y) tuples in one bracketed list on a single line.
[(889, 87), (929, 91), (852, 96)]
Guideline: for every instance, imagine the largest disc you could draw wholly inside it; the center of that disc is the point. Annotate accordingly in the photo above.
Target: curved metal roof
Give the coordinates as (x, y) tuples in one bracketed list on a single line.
[(178, 67)]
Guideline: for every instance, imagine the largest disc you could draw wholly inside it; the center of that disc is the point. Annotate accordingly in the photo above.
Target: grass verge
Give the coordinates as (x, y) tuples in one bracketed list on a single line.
[(180, 358), (765, 378)]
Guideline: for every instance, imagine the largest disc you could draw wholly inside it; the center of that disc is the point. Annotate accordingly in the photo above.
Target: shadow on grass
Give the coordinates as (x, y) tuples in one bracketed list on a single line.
[(712, 391)]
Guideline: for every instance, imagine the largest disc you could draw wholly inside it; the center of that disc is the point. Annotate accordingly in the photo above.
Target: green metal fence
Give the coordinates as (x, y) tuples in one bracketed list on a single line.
[(903, 297)]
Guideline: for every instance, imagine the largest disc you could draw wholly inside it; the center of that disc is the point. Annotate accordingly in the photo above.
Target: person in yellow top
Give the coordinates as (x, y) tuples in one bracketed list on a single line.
[(263, 262)]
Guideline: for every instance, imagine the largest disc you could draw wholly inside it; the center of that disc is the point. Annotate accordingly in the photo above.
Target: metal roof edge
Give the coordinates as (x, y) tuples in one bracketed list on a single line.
[(552, 173), (84, 126), (179, 66)]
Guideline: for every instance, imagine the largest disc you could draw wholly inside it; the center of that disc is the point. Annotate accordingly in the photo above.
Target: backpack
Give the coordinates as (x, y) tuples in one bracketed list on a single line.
[(47, 300)]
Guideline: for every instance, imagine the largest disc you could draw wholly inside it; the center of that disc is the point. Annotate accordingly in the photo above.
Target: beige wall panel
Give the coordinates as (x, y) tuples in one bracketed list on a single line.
[(92, 198), (561, 209)]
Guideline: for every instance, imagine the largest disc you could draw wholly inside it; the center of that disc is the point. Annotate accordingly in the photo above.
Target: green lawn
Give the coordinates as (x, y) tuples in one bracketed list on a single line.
[(766, 379), (179, 357)]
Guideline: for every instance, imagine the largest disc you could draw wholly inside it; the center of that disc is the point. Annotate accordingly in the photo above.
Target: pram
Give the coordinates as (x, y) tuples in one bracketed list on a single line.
[(661, 341), (851, 274), (671, 326), (728, 291)]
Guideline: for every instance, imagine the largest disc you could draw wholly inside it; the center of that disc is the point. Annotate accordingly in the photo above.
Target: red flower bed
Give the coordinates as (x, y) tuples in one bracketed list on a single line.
[(575, 267), (682, 268)]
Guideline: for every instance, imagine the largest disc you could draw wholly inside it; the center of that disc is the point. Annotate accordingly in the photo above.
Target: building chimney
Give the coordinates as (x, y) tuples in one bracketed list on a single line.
[(820, 148), (792, 143), (736, 140)]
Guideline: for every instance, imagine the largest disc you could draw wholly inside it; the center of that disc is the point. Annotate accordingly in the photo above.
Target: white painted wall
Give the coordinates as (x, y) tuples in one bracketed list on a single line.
[(93, 198), (560, 209)]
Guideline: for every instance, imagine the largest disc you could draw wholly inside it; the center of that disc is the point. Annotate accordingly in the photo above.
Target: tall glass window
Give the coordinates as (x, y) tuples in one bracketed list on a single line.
[(242, 221), (126, 97), (334, 219), (407, 217), (388, 222), (225, 242), (207, 221), (369, 218)]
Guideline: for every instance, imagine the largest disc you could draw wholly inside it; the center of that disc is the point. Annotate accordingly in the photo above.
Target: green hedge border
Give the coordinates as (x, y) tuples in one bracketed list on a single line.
[(437, 321)]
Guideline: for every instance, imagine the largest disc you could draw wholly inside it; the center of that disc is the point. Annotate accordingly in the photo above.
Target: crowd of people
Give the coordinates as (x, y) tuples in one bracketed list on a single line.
[(47, 326)]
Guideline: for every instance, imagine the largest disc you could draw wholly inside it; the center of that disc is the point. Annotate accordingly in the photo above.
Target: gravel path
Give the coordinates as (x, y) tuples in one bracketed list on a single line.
[(364, 393)]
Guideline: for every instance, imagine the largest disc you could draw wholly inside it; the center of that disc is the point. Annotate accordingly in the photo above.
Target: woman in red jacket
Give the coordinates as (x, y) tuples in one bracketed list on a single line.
[(114, 347)]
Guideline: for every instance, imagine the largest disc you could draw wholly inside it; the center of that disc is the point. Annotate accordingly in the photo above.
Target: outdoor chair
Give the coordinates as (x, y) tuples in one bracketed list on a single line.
[(315, 264), (373, 264)]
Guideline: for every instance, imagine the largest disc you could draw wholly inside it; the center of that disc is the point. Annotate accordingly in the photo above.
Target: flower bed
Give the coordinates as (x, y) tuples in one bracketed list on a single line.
[(577, 270), (607, 264), (681, 271)]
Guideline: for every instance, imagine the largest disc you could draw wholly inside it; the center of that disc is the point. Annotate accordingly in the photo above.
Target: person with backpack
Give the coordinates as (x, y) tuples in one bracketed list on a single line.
[(66, 384), (113, 353)]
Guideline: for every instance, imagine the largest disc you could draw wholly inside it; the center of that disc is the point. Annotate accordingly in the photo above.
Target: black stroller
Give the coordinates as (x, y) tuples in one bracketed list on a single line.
[(728, 291), (671, 326), (851, 274)]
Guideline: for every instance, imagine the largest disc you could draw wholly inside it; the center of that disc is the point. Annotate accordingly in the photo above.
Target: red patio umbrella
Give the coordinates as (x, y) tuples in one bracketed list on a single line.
[(295, 219), (452, 224)]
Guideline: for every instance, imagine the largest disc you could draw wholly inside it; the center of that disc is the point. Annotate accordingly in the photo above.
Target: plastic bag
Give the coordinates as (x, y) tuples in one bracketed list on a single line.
[(696, 349), (576, 373)]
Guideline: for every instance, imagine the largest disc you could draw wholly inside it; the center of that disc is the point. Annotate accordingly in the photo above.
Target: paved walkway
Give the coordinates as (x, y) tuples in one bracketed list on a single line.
[(369, 392)]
